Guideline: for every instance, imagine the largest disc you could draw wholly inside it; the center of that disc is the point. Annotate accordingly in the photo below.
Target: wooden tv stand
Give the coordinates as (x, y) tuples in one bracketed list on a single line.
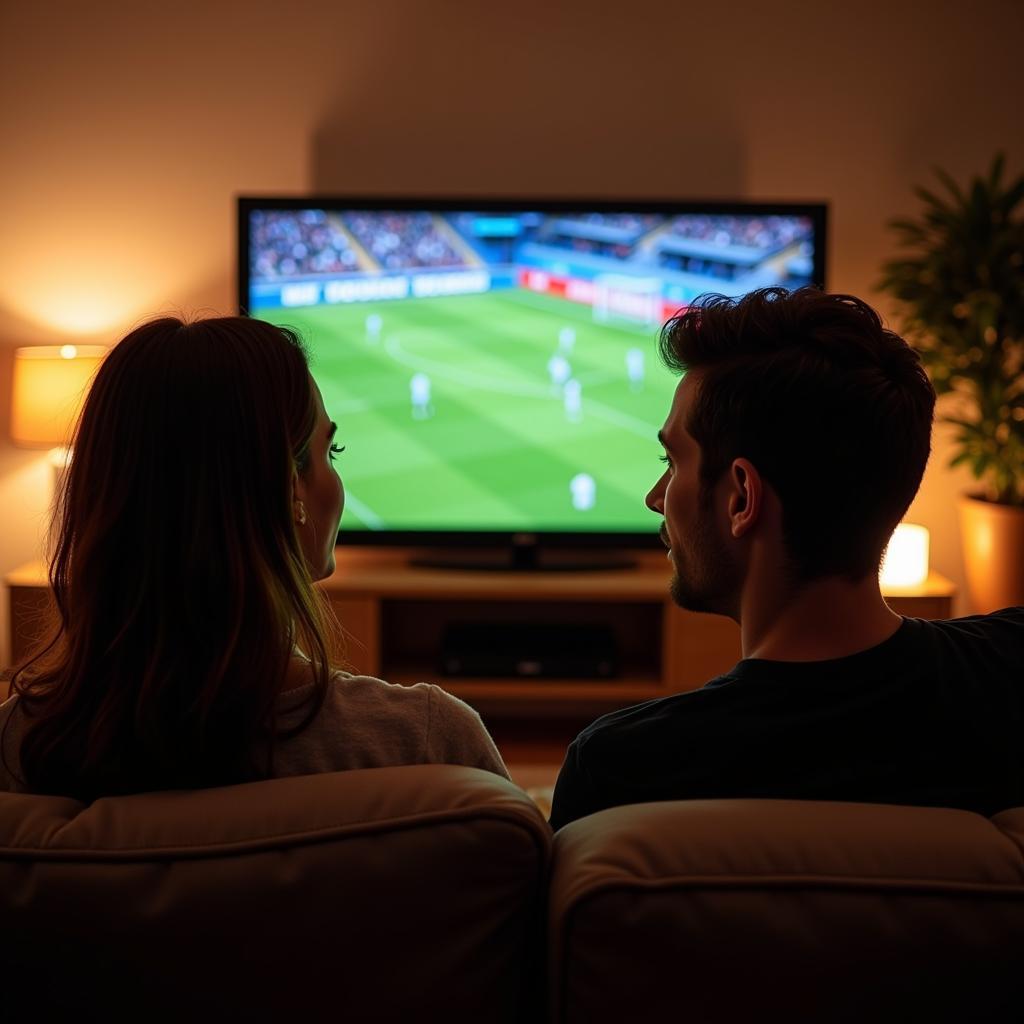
[(397, 614)]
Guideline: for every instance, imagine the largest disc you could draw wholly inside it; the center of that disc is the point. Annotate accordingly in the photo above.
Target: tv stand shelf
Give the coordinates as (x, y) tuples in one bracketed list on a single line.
[(397, 615)]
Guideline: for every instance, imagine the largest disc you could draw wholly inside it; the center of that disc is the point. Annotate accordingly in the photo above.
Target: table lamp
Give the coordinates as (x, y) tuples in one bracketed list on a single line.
[(906, 558), (49, 387)]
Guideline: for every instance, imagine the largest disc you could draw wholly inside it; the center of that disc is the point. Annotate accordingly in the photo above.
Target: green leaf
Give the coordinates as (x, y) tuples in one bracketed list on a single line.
[(966, 424), (996, 171), (1012, 196), (932, 200), (952, 187), (913, 231)]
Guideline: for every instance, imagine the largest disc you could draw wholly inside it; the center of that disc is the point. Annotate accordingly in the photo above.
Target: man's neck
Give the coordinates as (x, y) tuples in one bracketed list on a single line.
[(830, 618)]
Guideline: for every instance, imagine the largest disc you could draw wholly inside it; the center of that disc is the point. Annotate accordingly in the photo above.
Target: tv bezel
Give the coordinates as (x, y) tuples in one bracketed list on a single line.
[(519, 540)]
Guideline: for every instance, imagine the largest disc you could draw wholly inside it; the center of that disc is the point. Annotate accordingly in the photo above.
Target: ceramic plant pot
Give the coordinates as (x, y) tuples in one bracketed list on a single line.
[(993, 545)]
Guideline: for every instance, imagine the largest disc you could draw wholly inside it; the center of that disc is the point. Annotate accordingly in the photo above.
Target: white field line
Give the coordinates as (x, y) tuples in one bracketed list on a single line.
[(368, 516)]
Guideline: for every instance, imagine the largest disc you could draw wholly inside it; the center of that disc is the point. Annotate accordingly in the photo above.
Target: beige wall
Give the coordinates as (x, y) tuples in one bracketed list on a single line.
[(127, 128)]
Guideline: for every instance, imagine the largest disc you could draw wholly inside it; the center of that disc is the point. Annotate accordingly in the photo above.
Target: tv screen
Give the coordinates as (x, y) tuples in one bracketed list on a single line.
[(492, 365)]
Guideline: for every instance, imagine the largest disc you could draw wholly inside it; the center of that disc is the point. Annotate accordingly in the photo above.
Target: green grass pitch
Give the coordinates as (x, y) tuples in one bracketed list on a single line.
[(499, 449)]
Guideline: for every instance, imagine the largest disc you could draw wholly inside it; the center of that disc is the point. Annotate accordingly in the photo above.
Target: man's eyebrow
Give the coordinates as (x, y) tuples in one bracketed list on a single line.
[(333, 429), (662, 440)]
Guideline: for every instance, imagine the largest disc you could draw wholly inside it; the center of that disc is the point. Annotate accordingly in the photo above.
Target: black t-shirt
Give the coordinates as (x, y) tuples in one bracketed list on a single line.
[(934, 716)]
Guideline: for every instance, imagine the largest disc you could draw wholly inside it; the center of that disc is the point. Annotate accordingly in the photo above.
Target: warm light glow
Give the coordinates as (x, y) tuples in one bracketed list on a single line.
[(60, 457), (91, 274), (48, 389), (906, 559), (92, 309)]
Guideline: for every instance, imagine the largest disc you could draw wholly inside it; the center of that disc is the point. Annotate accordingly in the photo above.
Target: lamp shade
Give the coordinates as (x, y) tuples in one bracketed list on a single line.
[(50, 384), (906, 559)]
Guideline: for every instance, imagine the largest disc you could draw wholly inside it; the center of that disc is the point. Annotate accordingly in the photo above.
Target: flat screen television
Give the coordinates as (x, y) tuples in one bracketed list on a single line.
[(492, 364)]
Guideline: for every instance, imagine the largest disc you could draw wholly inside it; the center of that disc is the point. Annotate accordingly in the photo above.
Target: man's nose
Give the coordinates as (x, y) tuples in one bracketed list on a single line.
[(655, 499)]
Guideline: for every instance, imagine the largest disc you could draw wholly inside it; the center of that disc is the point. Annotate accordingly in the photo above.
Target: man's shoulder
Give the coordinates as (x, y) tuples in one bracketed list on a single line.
[(977, 645), (1001, 631), (641, 722), (1009, 619)]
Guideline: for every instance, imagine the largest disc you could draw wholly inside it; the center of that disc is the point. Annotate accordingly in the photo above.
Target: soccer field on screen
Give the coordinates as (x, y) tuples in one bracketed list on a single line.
[(499, 445)]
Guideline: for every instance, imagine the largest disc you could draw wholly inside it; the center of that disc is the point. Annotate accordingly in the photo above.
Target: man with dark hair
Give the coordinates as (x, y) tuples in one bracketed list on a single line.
[(796, 441)]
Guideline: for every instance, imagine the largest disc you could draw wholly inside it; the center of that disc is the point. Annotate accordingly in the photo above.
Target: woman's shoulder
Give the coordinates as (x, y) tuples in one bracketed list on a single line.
[(394, 722), (365, 705), (427, 699), (352, 688), (371, 684)]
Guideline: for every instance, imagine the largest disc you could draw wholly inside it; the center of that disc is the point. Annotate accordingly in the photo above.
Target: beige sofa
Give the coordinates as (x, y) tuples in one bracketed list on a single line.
[(423, 893)]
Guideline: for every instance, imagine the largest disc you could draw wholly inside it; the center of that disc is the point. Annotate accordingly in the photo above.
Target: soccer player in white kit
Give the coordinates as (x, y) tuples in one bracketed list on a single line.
[(572, 399), (635, 368), (419, 392), (566, 340), (559, 370), (583, 491), (374, 323)]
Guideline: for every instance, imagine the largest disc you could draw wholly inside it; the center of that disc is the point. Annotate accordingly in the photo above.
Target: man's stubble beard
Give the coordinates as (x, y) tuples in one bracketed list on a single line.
[(706, 578)]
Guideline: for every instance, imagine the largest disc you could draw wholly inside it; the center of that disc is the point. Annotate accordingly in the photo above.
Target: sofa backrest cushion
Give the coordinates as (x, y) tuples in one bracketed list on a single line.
[(389, 894), (730, 910)]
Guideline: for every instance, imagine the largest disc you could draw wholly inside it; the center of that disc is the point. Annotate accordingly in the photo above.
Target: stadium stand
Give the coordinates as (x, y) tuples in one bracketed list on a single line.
[(403, 241), (293, 244)]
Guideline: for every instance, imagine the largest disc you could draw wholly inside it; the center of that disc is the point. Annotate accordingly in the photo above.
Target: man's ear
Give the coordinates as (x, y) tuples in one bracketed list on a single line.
[(746, 497)]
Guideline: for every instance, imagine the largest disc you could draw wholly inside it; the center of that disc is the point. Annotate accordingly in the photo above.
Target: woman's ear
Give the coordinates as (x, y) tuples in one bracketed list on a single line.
[(746, 497), (298, 499)]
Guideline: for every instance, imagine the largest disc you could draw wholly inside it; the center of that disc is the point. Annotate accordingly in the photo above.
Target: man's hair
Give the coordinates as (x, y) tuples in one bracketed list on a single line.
[(833, 410)]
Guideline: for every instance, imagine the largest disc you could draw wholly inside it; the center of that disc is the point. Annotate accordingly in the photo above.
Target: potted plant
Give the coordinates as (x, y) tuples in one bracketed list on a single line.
[(959, 284)]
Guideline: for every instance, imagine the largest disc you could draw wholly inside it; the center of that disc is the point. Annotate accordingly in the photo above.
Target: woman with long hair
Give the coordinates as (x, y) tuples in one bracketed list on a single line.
[(190, 647)]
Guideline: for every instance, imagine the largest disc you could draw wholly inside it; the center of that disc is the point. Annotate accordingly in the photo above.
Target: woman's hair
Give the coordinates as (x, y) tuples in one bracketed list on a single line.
[(834, 410), (179, 581)]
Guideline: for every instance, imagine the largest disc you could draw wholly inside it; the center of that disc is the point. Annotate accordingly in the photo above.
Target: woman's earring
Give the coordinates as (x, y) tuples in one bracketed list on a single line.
[(300, 513)]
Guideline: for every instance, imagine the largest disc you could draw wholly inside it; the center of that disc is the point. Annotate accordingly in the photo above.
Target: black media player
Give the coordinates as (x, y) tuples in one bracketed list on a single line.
[(529, 649)]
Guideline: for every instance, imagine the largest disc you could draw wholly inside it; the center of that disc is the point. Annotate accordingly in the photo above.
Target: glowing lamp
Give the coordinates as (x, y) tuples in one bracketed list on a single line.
[(50, 383), (906, 558)]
